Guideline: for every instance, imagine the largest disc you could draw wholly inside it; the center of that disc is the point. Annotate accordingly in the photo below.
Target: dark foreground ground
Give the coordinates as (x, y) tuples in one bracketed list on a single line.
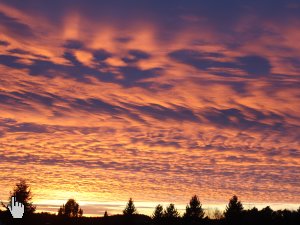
[(49, 219)]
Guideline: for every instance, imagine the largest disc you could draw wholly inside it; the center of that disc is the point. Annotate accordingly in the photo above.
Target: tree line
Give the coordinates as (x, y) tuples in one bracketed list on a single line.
[(71, 213)]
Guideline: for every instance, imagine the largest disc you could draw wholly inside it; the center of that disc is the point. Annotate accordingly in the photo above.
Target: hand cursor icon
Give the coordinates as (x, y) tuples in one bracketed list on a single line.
[(16, 208)]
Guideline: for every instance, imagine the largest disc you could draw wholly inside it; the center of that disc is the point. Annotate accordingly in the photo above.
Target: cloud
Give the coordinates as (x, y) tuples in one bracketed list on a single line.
[(14, 27), (135, 56), (255, 65), (199, 60), (163, 113), (96, 105), (73, 44), (28, 127), (4, 43), (101, 55)]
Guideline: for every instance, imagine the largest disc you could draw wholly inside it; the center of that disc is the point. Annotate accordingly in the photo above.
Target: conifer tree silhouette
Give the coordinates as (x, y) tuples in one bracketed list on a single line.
[(171, 212), (130, 208), (233, 211), (158, 212), (194, 209)]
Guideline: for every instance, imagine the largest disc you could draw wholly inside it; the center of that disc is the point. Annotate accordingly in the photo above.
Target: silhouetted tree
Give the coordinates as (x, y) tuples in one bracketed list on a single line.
[(171, 212), (80, 213), (23, 194), (158, 212), (266, 214), (194, 209), (233, 211), (251, 216), (70, 209), (130, 208), (105, 214)]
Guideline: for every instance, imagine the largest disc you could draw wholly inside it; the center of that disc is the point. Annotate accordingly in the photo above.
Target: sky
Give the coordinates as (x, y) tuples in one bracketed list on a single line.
[(155, 100)]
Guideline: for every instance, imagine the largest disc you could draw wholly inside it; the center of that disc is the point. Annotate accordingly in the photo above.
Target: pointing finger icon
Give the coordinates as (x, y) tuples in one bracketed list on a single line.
[(16, 208)]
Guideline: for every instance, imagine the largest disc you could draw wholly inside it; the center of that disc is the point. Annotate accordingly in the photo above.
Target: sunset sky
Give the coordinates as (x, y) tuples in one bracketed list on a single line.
[(155, 100)]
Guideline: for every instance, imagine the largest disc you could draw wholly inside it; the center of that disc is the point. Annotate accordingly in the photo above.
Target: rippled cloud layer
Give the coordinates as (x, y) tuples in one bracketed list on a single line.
[(152, 100)]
